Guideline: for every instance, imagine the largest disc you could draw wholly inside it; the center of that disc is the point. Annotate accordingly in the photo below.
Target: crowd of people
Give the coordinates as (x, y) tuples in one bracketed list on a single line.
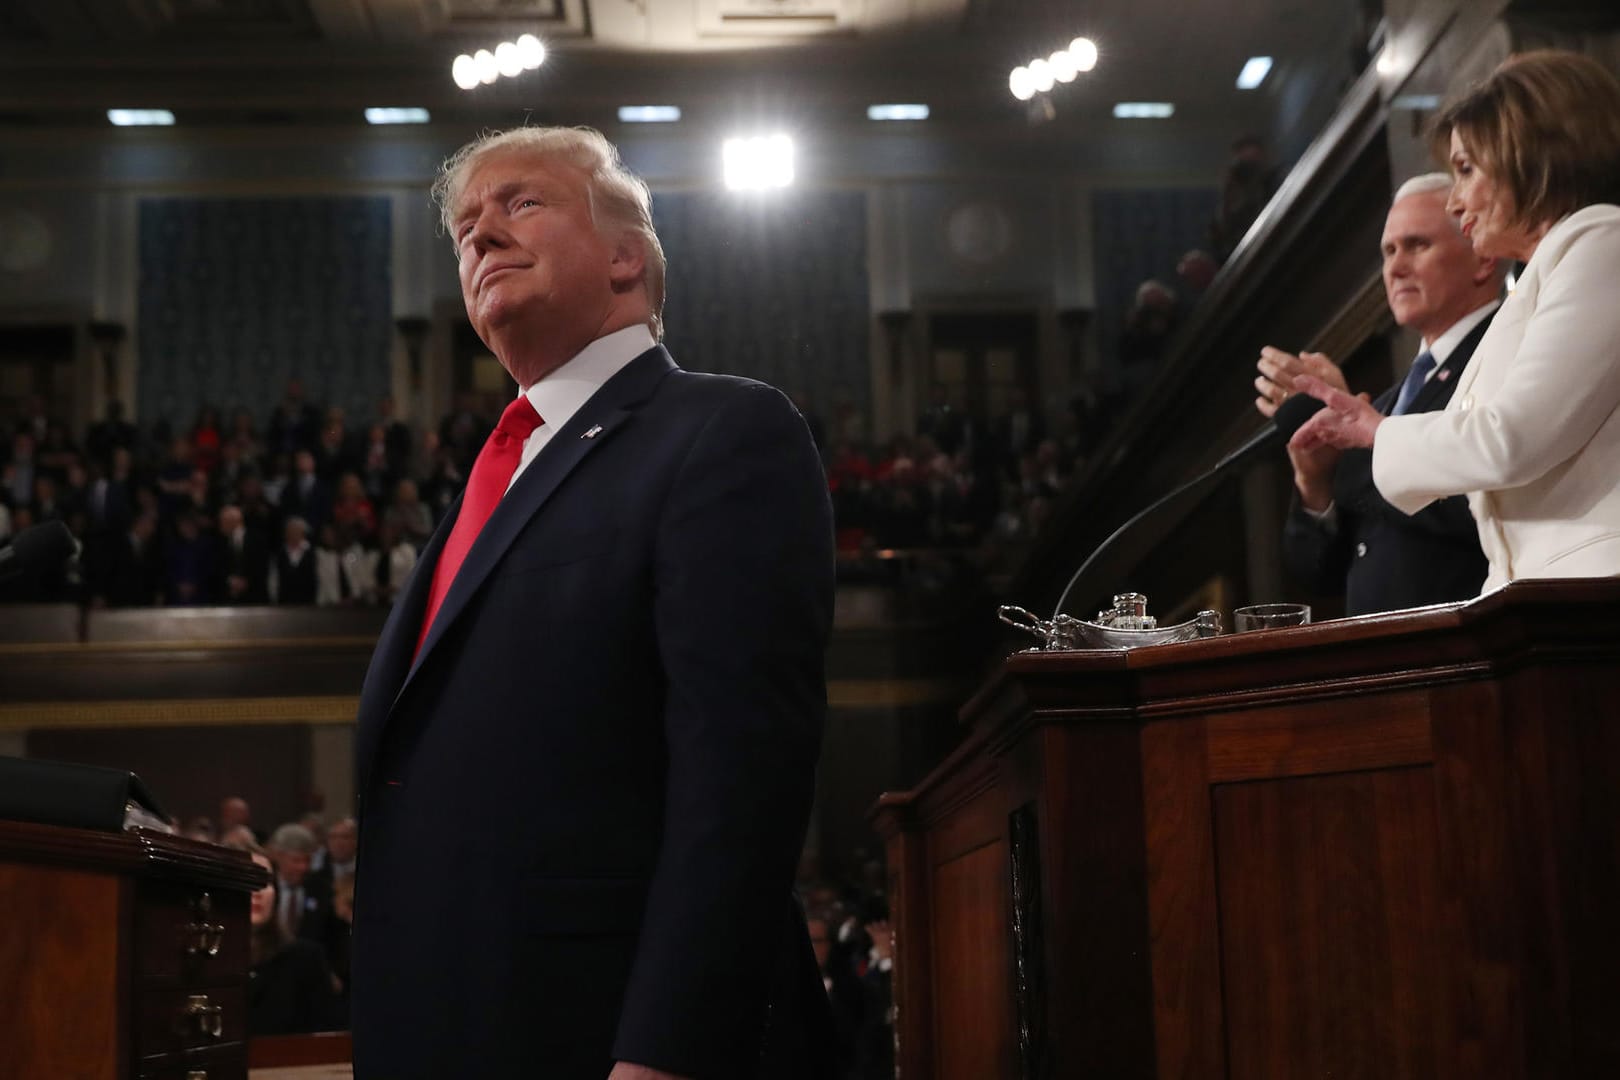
[(302, 920), (312, 508)]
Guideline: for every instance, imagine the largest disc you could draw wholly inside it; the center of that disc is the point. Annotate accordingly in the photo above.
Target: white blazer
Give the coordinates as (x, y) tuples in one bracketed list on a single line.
[(1532, 434)]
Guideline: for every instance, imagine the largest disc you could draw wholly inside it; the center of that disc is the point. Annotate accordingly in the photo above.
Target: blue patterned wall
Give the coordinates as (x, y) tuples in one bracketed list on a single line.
[(1139, 235), (774, 289), (237, 295)]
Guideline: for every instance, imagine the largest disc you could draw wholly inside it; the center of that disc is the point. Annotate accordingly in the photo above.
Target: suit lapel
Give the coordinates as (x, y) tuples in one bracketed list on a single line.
[(1449, 375), (589, 428)]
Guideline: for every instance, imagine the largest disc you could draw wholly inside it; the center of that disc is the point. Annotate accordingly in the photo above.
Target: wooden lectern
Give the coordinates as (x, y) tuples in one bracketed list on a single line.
[(1374, 848), (123, 955)]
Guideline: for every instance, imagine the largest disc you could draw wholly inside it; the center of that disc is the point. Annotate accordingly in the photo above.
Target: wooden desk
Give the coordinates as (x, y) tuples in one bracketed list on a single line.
[(1373, 848), (123, 956)]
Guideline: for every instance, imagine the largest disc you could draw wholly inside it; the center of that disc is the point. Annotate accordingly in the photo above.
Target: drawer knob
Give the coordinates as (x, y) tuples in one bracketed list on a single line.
[(203, 936), (202, 1018)]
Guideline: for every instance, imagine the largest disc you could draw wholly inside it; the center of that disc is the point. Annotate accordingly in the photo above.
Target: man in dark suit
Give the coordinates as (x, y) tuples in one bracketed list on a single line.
[(242, 565), (1340, 533), (609, 661), (303, 899)]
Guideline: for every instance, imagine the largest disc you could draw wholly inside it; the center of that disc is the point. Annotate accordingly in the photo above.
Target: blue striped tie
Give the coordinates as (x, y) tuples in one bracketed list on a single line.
[(1414, 382)]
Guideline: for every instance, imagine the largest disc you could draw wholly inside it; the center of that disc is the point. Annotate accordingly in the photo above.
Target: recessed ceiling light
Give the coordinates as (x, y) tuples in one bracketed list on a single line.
[(397, 116), (488, 68), (897, 112), (1144, 110), (754, 164), (1254, 72), (140, 117), (1416, 102), (649, 114), (465, 72)]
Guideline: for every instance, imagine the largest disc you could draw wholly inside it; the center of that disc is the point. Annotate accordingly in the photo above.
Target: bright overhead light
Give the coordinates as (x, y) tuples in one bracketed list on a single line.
[(140, 117), (758, 163), (488, 68), (1416, 102), (1064, 69), (649, 114), (1254, 72), (465, 72), (1021, 83), (507, 60), (397, 116), (1084, 52), (1040, 72), (897, 112), (1144, 110), (531, 51)]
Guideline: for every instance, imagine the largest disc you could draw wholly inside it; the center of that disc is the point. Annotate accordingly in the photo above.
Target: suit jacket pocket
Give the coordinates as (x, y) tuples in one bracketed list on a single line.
[(573, 907)]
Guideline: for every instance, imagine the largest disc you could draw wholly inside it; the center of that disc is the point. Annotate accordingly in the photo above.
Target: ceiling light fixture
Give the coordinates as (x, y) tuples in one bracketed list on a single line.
[(397, 116), (649, 114), (1254, 72), (509, 58), (140, 117), (758, 163), (897, 112), (1021, 83), (1038, 76), (1084, 51), (1144, 110), (531, 51)]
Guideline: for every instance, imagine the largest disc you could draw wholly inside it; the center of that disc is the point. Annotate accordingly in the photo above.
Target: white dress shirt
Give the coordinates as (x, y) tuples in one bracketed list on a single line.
[(561, 394)]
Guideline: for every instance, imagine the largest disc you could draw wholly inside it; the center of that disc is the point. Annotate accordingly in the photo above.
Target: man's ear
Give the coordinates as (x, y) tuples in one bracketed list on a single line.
[(629, 261), (1486, 270)]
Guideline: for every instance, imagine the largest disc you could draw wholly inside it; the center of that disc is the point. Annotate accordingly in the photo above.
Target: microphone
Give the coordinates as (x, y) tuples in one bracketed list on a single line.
[(37, 550), (1289, 418)]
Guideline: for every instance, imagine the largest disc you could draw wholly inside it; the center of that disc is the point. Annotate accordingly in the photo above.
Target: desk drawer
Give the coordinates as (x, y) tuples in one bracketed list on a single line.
[(189, 935), (220, 1063), (168, 1021)]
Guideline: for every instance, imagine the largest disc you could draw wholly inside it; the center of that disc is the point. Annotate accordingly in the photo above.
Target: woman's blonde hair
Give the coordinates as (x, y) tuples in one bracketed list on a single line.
[(1545, 126)]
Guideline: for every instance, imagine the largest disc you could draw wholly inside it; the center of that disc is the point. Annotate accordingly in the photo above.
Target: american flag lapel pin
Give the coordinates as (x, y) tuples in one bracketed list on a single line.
[(596, 429)]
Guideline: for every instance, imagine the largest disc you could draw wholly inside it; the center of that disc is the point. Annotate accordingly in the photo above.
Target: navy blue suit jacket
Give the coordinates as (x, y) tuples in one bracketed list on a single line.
[(583, 801), (1383, 559)]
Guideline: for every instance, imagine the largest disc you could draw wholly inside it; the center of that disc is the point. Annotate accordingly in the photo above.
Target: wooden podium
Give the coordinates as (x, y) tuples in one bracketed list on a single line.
[(123, 955), (1381, 847)]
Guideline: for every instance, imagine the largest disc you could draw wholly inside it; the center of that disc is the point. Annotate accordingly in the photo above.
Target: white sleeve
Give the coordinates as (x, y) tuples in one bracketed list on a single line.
[(1558, 389)]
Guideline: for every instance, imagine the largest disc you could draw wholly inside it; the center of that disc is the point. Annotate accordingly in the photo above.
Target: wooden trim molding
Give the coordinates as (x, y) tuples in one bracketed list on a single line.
[(198, 712)]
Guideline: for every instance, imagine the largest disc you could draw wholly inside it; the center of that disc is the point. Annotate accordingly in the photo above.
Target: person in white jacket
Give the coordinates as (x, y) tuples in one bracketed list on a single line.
[(1532, 434)]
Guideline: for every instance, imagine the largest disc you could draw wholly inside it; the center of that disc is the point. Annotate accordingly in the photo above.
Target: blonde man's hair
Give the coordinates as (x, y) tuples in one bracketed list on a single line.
[(619, 201), (1545, 126)]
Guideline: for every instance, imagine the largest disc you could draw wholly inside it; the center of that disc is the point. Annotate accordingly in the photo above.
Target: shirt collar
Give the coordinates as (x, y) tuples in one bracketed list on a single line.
[(561, 394), (1446, 344)]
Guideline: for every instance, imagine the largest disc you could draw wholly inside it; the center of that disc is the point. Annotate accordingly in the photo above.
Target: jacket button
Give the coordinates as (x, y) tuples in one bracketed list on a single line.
[(1466, 403), (1361, 550)]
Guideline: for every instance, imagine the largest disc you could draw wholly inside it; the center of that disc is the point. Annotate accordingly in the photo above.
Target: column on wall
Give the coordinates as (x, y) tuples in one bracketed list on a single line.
[(894, 383)]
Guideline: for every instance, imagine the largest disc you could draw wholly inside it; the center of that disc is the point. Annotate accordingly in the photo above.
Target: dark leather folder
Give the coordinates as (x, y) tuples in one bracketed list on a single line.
[(77, 796)]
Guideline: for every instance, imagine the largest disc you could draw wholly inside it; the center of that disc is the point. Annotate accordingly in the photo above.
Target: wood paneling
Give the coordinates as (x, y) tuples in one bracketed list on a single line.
[(1319, 738), (1328, 894), (66, 923), (973, 1023)]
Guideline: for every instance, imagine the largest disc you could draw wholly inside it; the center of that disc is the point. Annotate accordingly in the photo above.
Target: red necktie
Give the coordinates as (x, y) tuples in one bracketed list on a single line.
[(491, 474)]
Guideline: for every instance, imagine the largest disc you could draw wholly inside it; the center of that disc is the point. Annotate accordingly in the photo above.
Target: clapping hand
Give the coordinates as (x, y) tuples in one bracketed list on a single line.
[(1347, 423)]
